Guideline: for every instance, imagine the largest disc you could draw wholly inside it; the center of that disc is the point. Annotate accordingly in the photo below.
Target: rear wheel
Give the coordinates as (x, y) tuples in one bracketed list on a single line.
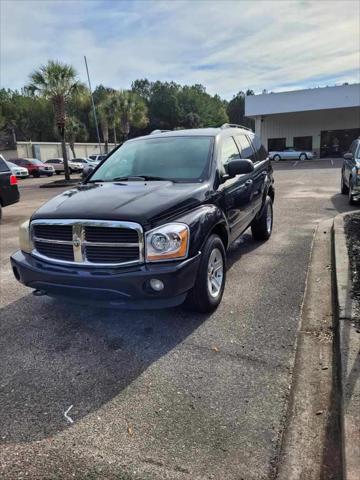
[(36, 174), (276, 158), (208, 290), (261, 226)]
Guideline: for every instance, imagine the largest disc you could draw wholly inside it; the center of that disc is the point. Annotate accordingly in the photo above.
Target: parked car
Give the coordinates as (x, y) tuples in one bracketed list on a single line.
[(19, 172), (85, 161), (350, 173), (97, 158), (291, 154), (9, 192), (35, 167), (151, 226), (58, 163)]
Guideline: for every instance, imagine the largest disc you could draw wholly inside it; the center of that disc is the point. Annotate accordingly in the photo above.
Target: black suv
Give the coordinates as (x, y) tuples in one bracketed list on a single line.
[(150, 226), (9, 192)]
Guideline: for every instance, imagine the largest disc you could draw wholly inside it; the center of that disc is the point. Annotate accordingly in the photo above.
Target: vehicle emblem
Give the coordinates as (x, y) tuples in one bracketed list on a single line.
[(76, 241)]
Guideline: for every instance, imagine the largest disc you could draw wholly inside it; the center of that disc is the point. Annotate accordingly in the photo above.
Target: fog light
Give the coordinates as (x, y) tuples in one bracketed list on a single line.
[(156, 284)]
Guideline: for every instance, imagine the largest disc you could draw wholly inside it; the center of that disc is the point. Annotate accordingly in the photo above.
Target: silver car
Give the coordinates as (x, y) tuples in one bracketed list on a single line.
[(350, 173), (291, 154)]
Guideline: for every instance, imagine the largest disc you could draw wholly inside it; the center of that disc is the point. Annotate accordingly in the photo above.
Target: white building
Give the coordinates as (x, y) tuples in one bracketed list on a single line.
[(324, 120)]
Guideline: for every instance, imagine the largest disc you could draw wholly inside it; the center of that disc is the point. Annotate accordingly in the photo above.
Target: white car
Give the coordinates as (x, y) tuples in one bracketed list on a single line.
[(291, 154), (85, 161), (58, 164), (19, 172), (97, 158)]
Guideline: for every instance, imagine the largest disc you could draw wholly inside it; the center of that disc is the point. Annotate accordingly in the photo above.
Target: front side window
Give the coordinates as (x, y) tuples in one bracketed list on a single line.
[(245, 147), (182, 159), (229, 152)]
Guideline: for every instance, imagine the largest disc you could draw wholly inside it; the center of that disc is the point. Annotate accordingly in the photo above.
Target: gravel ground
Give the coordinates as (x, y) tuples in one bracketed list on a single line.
[(352, 229)]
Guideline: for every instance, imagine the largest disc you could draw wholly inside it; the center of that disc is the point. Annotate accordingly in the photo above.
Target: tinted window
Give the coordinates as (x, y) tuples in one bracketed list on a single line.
[(261, 153), (276, 144), (229, 152), (3, 166), (246, 149), (35, 161), (175, 158), (303, 143)]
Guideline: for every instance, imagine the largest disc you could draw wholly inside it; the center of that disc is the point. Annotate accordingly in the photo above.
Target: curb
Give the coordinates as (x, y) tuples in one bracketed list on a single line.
[(348, 355)]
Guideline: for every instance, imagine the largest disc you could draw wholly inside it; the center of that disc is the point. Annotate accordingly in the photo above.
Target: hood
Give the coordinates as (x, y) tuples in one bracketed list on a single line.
[(143, 202)]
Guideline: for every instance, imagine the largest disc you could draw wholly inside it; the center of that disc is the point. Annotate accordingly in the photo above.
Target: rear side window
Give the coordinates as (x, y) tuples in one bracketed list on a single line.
[(3, 166), (246, 149)]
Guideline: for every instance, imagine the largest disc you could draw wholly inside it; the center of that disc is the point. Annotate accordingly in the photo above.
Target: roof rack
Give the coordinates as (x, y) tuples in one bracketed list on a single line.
[(159, 131), (235, 125)]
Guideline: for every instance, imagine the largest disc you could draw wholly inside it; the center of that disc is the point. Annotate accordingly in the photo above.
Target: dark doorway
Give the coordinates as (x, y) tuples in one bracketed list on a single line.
[(276, 144), (303, 143), (334, 143)]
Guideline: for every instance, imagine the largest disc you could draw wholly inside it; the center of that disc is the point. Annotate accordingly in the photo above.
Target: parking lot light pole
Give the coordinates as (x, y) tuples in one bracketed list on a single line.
[(93, 104)]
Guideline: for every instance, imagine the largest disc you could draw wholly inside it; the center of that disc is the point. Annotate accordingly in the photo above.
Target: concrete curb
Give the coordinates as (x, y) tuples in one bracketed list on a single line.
[(349, 356)]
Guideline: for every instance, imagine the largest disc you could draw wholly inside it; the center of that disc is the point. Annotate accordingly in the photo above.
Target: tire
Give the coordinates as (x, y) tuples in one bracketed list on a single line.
[(261, 226), (36, 174), (303, 157), (344, 187), (208, 290), (57, 173), (276, 158), (351, 198), (49, 174)]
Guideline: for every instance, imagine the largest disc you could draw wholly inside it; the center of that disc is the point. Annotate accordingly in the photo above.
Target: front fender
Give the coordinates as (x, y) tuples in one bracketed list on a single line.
[(201, 221)]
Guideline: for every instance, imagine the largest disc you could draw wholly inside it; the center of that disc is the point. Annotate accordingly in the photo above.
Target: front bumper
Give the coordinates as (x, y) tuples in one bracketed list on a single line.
[(123, 287)]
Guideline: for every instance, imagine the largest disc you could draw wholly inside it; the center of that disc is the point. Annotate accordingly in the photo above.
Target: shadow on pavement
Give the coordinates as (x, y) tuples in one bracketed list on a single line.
[(341, 204), (54, 355)]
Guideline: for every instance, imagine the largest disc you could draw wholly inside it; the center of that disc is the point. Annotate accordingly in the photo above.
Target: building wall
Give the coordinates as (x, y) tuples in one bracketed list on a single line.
[(45, 150), (300, 124), (343, 96)]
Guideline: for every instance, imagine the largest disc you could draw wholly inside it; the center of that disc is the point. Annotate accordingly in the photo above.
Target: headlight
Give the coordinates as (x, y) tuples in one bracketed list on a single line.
[(169, 242), (24, 237)]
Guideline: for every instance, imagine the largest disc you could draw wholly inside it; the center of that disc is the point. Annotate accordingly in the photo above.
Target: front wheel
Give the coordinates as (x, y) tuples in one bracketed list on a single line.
[(344, 187), (208, 290), (261, 226), (303, 157)]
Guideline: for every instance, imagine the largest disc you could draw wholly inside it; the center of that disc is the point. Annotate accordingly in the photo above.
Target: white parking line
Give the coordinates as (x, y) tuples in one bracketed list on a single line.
[(294, 164)]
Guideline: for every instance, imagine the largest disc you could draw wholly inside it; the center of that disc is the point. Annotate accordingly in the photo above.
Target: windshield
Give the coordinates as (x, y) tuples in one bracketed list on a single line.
[(35, 161), (173, 158)]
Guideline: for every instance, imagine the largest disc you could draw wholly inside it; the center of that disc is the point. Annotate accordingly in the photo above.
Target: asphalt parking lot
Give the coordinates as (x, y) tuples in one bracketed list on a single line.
[(161, 394)]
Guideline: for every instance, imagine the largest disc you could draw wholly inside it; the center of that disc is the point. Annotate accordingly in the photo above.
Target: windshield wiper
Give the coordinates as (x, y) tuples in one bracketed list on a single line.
[(139, 178)]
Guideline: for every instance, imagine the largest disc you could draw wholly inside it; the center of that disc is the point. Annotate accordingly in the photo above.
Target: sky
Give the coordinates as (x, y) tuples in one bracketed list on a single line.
[(227, 46)]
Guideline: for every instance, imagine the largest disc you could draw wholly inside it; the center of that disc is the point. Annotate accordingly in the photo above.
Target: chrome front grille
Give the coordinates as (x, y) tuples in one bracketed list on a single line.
[(88, 242)]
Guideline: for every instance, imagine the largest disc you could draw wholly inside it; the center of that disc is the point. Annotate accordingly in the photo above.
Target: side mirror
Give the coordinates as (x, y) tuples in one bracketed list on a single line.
[(239, 167), (348, 156), (87, 171)]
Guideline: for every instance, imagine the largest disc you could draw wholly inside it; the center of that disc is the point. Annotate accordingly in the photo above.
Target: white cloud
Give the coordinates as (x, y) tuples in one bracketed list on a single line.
[(225, 45)]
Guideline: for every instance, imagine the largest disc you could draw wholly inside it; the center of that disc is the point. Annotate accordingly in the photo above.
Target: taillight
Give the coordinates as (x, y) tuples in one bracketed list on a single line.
[(13, 180)]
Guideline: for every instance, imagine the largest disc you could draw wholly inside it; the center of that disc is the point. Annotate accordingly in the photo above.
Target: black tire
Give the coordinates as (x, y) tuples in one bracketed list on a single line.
[(36, 174), (49, 174), (276, 158), (261, 228), (302, 157), (57, 173), (344, 187), (351, 198), (199, 299)]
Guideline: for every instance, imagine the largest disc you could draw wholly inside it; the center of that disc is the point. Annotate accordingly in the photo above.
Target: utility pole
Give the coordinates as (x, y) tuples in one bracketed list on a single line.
[(93, 104)]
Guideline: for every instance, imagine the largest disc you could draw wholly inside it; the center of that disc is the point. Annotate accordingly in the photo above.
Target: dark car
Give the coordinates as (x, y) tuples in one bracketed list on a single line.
[(36, 167), (151, 225), (9, 192), (350, 173)]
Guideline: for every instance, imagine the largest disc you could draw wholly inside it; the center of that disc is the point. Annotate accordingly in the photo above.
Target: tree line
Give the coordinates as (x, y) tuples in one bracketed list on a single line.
[(54, 100)]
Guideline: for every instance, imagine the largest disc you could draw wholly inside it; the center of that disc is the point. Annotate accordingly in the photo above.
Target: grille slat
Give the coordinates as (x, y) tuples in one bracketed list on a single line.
[(55, 250), (53, 232), (111, 235), (106, 252)]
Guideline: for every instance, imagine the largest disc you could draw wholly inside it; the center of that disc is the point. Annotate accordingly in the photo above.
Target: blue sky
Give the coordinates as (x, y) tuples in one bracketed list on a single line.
[(225, 45)]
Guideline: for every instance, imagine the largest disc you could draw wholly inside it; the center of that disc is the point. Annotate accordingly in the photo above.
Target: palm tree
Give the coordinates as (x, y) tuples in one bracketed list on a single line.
[(57, 82), (132, 111), (75, 131)]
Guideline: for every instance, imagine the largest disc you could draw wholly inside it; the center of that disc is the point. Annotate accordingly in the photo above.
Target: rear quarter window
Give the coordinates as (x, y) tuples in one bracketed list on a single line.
[(259, 148)]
